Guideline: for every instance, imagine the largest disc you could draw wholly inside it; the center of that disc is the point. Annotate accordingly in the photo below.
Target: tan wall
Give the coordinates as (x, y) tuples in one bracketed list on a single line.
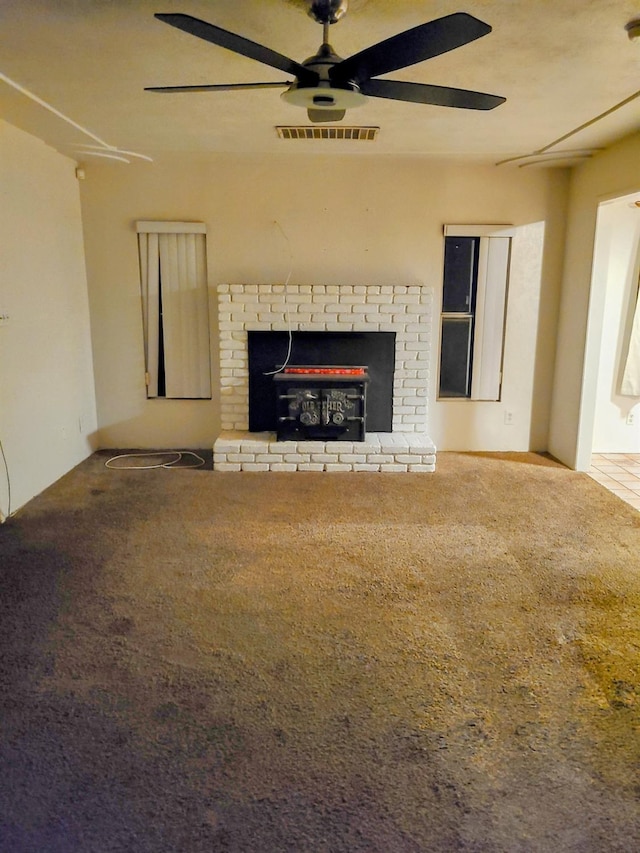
[(612, 173), (347, 220), (47, 403)]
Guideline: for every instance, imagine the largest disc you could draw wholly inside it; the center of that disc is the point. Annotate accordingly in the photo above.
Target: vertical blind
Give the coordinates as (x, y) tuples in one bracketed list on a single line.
[(493, 273), (173, 279), (631, 375)]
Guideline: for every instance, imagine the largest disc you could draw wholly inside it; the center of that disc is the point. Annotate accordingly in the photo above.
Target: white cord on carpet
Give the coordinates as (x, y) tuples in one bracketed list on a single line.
[(174, 462)]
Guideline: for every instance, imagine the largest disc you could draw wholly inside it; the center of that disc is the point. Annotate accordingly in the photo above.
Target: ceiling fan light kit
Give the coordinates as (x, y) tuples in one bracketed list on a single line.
[(327, 85), (323, 95)]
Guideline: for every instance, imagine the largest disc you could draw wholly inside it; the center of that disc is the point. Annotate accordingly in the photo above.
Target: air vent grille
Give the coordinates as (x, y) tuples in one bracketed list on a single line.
[(352, 134)]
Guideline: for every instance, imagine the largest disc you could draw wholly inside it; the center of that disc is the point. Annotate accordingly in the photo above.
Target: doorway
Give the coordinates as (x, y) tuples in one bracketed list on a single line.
[(615, 443), (616, 426)]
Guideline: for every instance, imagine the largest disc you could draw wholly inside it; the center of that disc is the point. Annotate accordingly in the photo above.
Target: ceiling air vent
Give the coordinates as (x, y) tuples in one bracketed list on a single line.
[(354, 134)]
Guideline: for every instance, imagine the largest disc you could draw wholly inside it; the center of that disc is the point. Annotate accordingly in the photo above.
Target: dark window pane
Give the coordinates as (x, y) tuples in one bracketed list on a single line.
[(162, 379), (460, 273), (455, 353)]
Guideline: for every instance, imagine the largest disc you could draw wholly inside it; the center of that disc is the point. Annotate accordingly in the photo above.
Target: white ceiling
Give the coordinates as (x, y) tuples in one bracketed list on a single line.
[(559, 63)]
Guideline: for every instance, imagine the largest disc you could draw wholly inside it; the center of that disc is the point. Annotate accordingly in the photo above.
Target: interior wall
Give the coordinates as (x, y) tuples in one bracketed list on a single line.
[(616, 253), (322, 220), (47, 402), (612, 173)]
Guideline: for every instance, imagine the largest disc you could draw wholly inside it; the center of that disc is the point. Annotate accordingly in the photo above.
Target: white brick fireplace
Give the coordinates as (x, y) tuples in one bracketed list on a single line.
[(403, 309)]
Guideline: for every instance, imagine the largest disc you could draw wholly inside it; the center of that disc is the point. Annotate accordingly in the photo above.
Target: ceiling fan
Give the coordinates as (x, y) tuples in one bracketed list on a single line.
[(328, 85)]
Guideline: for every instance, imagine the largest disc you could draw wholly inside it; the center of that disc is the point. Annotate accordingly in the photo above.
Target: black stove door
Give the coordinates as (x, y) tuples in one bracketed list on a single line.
[(321, 413)]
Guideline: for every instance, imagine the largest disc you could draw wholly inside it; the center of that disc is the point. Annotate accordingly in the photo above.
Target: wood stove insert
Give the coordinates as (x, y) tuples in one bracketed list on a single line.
[(268, 351), (321, 403)]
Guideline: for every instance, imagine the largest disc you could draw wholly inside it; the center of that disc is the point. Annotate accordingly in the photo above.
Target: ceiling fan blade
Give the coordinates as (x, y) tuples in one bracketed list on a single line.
[(220, 87), (423, 93), (422, 42), (238, 44)]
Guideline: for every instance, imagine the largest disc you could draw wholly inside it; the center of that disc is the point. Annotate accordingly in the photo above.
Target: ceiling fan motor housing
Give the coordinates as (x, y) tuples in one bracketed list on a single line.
[(324, 95)]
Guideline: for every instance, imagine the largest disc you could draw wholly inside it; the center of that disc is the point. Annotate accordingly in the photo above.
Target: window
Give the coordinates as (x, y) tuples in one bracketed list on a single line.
[(476, 265), (175, 309)]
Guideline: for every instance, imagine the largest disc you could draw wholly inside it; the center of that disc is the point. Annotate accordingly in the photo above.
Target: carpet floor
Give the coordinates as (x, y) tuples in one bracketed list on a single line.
[(346, 663)]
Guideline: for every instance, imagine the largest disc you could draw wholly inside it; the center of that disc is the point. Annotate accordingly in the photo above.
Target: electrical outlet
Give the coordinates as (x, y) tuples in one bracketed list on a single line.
[(631, 418), (508, 418)]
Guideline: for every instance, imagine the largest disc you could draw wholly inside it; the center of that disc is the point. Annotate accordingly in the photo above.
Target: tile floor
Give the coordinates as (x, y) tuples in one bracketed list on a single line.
[(620, 473)]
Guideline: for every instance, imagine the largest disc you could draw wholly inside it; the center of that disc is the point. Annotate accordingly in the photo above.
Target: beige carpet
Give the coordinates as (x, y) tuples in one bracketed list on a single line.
[(197, 661)]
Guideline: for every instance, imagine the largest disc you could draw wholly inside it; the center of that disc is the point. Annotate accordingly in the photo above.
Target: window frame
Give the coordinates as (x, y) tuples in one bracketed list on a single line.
[(488, 312), (187, 340)]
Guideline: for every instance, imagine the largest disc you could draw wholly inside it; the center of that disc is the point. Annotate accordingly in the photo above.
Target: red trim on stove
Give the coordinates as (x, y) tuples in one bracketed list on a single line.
[(328, 371)]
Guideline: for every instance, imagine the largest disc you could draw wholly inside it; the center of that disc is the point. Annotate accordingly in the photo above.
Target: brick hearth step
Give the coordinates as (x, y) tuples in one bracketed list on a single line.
[(390, 452)]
